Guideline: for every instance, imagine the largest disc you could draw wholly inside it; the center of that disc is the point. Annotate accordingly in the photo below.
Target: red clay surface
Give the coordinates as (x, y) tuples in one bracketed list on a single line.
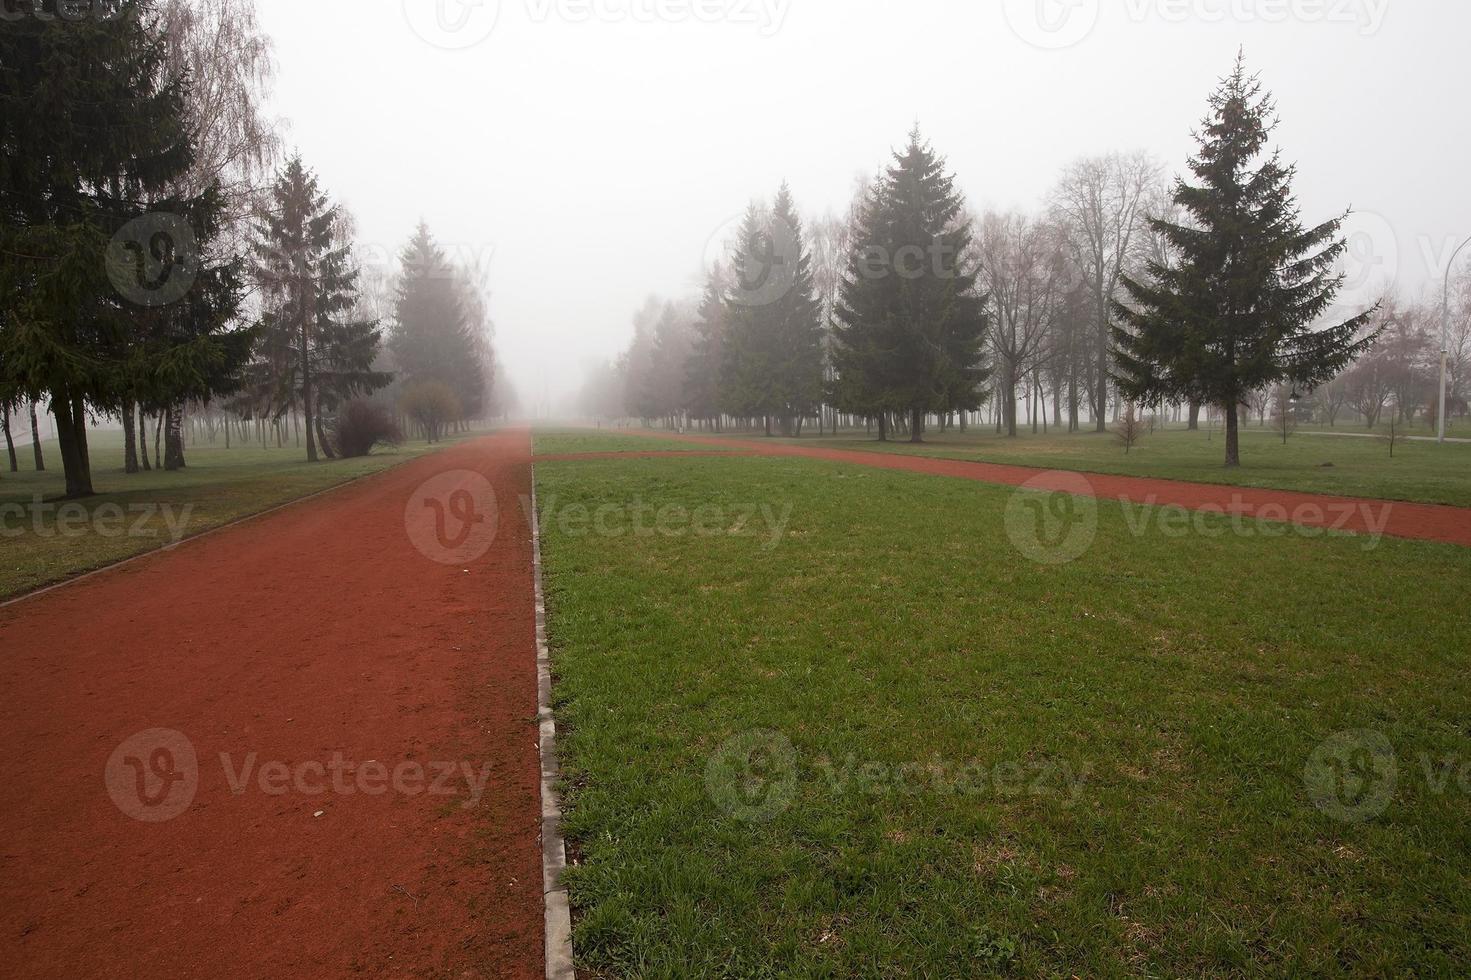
[(1429, 522), (314, 637)]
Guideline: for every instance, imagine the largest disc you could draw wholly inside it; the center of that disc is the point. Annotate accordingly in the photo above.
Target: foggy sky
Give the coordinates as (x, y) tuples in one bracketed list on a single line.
[(585, 153)]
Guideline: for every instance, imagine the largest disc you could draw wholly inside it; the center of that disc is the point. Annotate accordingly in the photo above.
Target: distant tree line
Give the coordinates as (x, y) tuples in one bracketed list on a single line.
[(161, 266), (1126, 296)]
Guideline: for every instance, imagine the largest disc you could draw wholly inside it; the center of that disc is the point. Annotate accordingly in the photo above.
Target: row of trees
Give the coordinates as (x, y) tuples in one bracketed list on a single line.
[(1123, 291), (155, 260)]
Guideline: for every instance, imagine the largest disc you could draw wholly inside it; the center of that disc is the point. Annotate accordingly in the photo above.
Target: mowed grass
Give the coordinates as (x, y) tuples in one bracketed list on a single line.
[(143, 511), (1356, 467), (996, 766), (555, 442)]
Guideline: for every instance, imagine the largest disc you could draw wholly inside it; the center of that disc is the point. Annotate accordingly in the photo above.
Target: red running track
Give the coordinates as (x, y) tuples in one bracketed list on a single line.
[(324, 655)]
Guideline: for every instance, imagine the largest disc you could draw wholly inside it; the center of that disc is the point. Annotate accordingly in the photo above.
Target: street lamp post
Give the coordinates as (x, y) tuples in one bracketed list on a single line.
[(1445, 334)]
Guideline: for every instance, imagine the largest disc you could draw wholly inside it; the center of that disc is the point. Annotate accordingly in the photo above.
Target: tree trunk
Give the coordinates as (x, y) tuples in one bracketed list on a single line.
[(321, 438), (157, 442), (883, 427), (1008, 398), (143, 441), (1072, 401), (1233, 450), (9, 440), (1100, 423), (71, 439), (916, 425), (130, 439), (174, 439), (1194, 425), (36, 441), (306, 398)]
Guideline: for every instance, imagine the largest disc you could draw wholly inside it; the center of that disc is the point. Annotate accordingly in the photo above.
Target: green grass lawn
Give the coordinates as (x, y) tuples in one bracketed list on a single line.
[(552, 442), (1419, 471), (143, 511), (879, 742)]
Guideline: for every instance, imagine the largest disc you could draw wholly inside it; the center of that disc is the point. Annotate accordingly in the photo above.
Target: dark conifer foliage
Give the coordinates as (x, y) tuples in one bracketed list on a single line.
[(911, 323), (772, 361), (434, 336), (702, 370), (314, 354), (1237, 308), (92, 137)]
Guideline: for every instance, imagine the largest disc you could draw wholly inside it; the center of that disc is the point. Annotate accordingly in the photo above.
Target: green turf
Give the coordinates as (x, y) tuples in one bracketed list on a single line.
[(217, 486), (997, 766), (1418, 471), (550, 442)]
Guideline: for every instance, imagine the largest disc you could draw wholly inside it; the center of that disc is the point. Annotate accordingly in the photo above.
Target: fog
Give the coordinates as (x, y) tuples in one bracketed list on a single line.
[(584, 156)]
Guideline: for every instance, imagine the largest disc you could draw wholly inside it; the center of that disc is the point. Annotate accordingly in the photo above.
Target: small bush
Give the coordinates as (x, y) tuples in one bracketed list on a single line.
[(362, 425), (432, 404)]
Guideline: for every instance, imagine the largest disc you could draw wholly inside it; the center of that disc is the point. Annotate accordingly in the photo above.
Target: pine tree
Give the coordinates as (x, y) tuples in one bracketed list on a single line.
[(702, 367), (638, 366), (1234, 311), (796, 318), (434, 337), (92, 134), (911, 324), (772, 364), (313, 353)]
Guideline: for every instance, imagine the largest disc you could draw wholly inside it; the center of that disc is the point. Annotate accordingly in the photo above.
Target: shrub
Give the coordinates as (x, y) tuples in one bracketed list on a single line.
[(362, 425), (432, 404)]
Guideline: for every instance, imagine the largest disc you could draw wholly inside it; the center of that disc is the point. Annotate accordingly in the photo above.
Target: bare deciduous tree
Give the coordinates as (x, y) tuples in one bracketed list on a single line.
[(1022, 270), (1102, 202)]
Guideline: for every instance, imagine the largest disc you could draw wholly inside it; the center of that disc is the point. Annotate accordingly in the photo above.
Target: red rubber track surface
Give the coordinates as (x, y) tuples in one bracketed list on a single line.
[(314, 632)]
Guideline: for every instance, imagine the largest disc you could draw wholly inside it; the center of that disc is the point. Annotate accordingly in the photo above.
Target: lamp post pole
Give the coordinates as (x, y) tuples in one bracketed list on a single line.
[(1445, 333)]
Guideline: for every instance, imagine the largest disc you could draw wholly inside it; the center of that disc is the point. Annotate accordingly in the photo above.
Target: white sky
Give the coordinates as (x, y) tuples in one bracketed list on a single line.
[(586, 151)]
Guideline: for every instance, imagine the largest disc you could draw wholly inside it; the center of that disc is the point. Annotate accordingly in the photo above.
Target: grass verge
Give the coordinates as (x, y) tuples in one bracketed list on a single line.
[(868, 738)]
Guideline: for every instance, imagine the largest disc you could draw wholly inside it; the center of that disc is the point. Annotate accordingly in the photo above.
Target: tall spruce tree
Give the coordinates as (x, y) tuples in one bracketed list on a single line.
[(93, 136), (911, 323), (702, 367), (1234, 312), (313, 353), (433, 337), (773, 340)]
